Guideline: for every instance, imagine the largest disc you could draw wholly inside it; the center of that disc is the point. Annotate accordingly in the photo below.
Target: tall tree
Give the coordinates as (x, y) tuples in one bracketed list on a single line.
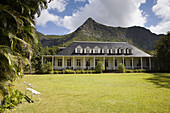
[(163, 53), (17, 34)]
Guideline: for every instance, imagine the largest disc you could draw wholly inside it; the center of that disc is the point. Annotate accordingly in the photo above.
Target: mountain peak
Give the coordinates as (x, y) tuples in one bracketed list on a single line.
[(88, 24)]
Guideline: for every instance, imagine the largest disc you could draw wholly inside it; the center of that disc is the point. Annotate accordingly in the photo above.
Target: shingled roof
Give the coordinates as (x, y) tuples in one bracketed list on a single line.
[(70, 50)]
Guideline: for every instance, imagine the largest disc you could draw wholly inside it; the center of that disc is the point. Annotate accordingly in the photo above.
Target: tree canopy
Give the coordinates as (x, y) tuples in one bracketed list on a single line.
[(163, 53), (17, 35)]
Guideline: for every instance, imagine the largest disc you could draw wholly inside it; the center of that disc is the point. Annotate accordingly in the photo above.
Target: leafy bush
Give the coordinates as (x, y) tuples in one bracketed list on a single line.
[(9, 101), (129, 71), (121, 68), (100, 67), (45, 68), (57, 72), (83, 71), (63, 72), (136, 70), (78, 71), (70, 71)]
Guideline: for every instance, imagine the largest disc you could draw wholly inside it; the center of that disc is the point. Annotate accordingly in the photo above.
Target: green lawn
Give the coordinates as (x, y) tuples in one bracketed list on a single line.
[(98, 93)]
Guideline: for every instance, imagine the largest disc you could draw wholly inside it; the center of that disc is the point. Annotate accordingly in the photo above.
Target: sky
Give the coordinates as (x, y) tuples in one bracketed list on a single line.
[(65, 16)]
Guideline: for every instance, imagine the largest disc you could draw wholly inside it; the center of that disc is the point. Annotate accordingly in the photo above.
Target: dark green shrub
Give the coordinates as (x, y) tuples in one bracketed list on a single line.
[(57, 72), (78, 71), (129, 71), (9, 102), (121, 68), (63, 71), (70, 71), (83, 71), (100, 67)]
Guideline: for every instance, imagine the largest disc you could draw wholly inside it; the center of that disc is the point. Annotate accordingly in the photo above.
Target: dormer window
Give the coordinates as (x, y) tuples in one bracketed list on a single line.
[(105, 50), (127, 50), (87, 50), (78, 49), (130, 51), (96, 49)]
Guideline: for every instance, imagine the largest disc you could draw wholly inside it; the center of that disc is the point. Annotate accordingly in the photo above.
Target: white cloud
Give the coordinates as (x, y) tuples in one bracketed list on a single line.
[(161, 9), (57, 5), (161, 28), (109, 12)]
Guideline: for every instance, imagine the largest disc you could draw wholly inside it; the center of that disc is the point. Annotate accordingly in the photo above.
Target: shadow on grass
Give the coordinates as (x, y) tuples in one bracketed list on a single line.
[(161, 80)]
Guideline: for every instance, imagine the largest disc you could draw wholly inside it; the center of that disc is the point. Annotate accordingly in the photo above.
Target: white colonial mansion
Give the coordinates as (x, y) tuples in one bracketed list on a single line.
[(86, 55)]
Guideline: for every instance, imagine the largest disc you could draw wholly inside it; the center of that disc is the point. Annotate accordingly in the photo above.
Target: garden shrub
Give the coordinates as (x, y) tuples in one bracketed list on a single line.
[(63, 71), (83, 71), (78, 71), (9, 101), (67, 71), (121, 68), (100, 67), (129, 71)]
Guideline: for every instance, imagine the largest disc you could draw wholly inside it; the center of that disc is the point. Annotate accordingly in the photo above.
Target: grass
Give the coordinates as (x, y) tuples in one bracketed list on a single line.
[(98, 93)]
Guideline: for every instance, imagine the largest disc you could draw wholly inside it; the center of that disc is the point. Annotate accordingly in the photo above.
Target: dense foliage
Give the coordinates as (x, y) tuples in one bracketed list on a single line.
[(17, 33), (163, 53), (9, 101), (100, 67), (121, 68)]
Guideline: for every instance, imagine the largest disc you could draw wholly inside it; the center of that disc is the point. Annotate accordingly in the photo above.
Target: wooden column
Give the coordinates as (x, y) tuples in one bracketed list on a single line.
[(150, 65), (141, 63), (73, 63), (52, 60), (94, 62), (104, 61), (63, 63), (84, 62), (132, 63), (114, 63), (123, 61)]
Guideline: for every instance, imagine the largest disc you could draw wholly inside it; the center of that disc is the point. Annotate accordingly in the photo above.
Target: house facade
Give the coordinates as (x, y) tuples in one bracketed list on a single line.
[(86, 55)]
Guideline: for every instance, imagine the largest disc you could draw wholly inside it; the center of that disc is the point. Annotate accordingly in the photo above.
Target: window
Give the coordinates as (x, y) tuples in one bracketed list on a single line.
[(106, 63), (88, 63), (127, 51), (105, 50), (96, 51), (78, 62), (130, 51), (115, 63), (69, 62), (96, 61), (139, 63), (59, 62), (87, 51), (122, 51), (78, 50), (113, 51), (147, 62)]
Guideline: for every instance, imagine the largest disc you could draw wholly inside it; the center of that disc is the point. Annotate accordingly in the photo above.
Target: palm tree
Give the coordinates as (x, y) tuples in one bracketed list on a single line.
[(17, 35)]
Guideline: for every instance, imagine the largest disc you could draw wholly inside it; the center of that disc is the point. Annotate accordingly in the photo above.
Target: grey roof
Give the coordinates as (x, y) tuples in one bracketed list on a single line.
[(70, 50)]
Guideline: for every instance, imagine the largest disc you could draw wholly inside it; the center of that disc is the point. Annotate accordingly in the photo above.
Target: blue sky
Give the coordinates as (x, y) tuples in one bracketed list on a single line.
[(65, 16)]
